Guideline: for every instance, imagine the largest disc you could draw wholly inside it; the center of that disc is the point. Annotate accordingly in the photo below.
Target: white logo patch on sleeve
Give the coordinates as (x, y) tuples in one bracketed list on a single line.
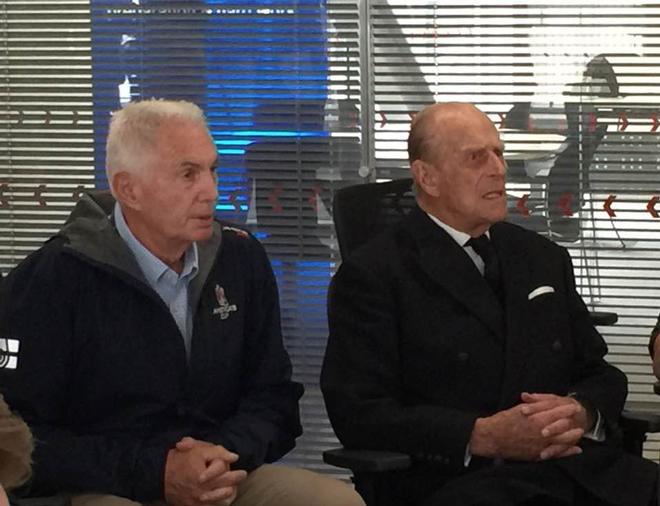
[(9, 353)]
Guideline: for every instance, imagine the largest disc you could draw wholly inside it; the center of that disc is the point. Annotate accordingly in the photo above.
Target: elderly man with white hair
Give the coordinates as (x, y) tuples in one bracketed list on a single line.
[(461, 340), (150, 362)]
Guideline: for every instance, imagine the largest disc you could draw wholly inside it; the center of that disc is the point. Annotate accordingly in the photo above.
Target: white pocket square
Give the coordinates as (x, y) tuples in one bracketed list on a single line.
[(540, 291)]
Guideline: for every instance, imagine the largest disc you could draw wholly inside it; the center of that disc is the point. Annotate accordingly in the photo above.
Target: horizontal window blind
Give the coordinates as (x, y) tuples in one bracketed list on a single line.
[(573, 89), (46, 146), (279, 83)]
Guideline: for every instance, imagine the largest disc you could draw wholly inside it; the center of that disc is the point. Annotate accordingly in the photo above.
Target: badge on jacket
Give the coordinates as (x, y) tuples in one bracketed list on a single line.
[(242, 233), (224, 307), (9, 353)]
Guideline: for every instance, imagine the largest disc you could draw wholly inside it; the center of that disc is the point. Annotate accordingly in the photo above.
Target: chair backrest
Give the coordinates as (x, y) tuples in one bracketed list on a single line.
[(362, 211)]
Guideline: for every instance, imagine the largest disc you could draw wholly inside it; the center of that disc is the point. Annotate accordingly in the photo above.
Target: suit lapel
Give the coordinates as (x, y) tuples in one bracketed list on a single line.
[(514, 267), (446, 263)]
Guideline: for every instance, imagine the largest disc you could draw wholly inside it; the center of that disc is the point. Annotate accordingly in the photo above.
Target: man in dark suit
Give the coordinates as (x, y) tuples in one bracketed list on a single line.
[(461, 340)]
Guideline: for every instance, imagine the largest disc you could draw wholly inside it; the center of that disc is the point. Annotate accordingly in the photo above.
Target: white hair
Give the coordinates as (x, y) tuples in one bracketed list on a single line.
[(133, 130)]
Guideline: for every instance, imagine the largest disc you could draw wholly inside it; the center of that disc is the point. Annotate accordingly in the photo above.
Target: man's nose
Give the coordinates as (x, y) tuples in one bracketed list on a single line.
[(497, 164), (209, 187)]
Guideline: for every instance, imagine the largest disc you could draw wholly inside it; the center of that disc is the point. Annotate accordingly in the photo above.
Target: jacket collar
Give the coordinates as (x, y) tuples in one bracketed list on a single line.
[(448, 264), (90, 233)]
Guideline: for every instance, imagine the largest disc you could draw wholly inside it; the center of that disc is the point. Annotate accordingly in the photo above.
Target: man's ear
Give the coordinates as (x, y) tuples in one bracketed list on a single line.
[(126, 188), (426, 176)]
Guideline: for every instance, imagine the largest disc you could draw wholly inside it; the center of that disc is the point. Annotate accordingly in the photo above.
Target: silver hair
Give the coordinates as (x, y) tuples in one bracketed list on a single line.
[(133, 130)]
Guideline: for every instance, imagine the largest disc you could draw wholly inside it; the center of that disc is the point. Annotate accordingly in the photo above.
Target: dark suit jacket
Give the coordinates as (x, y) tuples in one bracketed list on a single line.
[(419, 347)]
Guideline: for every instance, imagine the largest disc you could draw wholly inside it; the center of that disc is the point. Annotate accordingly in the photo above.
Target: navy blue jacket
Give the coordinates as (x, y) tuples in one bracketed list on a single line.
[(102, 376)]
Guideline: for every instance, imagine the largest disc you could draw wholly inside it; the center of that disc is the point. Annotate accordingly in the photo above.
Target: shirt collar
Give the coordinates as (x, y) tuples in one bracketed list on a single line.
[(152, 266), (460, 237)]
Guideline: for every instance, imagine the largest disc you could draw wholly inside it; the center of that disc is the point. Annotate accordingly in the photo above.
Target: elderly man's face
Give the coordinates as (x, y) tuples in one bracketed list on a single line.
[(469, 193), (178, 190)]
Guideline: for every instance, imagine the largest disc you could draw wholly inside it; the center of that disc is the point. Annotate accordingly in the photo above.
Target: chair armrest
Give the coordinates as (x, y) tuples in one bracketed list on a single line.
[(637, 420), (366, 460), (603, 318), (52, 500), (640, 421)]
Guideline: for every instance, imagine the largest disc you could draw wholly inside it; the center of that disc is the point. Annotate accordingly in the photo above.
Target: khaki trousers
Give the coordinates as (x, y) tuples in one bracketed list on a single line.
[(268, 485)]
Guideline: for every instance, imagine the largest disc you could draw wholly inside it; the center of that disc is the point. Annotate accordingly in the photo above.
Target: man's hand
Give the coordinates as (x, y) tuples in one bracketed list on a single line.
[(198, 473), (565, 433), (515, 435)]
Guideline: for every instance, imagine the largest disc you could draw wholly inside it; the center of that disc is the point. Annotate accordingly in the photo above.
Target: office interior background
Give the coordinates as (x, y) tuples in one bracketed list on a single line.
[(306, 96)]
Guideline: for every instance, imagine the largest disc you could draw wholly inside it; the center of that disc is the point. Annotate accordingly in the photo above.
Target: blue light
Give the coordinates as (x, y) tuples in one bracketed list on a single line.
[(260, 59), (254, 86), (303, 282), (245, 105), (276, 133), (321, 77), (214, 124), (312, 264), (321, 273), (253, 41), (227, 169), (232, 142), (229, 207), (275, 96), (224, 178), (230, 189), (231, 151), (263, 67)]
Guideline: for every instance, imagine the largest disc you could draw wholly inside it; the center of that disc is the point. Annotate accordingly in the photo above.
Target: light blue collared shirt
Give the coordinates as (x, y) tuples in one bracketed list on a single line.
[(172, 287)]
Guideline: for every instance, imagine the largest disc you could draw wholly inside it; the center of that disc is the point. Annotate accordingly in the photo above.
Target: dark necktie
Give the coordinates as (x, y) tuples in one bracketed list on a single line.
[(486, 251)]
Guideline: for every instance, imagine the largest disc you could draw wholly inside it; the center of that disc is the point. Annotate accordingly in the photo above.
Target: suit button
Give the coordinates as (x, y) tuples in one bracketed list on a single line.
[(182, 410), (557, 346), (463, 356)]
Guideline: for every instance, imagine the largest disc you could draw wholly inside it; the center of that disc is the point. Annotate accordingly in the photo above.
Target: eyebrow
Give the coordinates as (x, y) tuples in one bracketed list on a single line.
[(189, 164), (473, 148)]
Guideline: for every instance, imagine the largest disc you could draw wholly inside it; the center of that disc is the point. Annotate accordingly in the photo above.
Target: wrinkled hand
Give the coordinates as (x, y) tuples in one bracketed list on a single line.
[(198, 473), (525, 432), (564, 433)]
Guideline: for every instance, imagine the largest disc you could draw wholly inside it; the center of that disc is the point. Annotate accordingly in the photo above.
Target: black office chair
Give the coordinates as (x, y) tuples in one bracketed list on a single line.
[(360, 212)]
